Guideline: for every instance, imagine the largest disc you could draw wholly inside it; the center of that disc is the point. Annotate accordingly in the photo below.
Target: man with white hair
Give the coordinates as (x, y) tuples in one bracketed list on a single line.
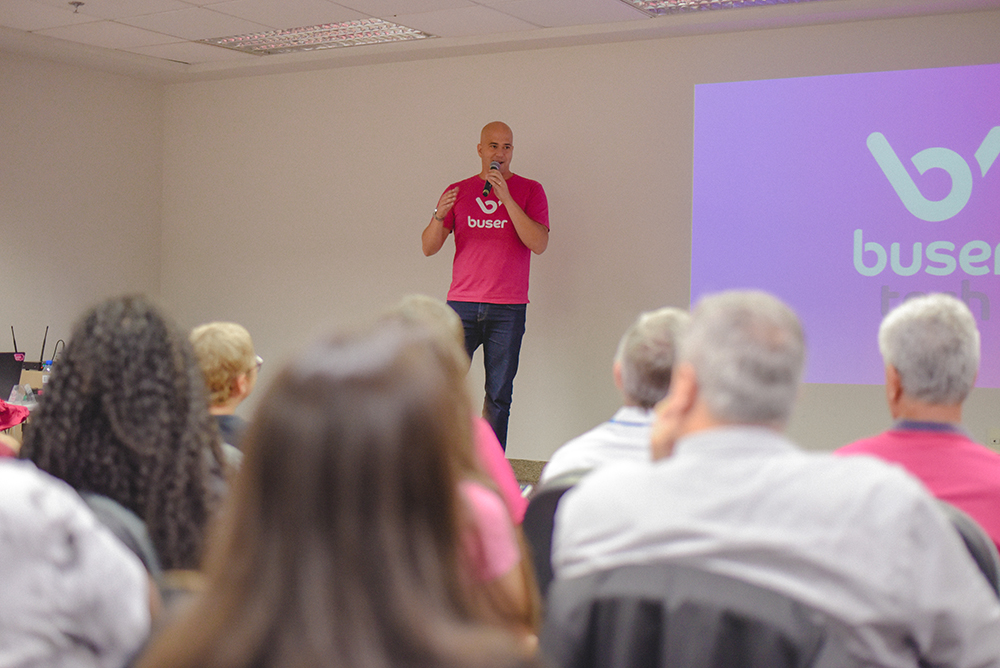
[(930, 346), (856, 540), (641, 370)]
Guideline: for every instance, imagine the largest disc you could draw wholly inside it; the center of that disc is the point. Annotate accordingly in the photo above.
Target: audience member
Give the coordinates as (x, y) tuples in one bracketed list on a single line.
[(444, 323), (342, 542), (641, 371), (930, 346), (504, 574), (72, 594), (857, 540), (124, 416), (230, 365)]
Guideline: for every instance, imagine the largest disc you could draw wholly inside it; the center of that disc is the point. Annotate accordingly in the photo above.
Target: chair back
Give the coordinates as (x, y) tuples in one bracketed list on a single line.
[(667, 614), (539, 522), (977, 541)]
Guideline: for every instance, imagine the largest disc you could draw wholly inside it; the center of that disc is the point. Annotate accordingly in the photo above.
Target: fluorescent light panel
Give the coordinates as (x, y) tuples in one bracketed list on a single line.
[(676, 6), (313, 38)]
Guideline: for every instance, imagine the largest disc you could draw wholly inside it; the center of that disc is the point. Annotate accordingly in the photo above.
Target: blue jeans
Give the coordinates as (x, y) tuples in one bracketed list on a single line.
[(498, 328)]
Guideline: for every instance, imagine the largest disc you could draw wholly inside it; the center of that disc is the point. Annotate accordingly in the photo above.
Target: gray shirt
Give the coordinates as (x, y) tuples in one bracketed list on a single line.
[(855, 538)]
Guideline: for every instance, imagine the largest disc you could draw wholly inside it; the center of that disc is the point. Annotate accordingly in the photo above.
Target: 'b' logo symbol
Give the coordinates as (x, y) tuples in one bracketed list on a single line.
[(488, 207), (941, 158)]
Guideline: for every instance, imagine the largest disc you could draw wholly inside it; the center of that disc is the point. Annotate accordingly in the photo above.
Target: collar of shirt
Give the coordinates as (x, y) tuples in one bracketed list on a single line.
[(633, 416), (918, 425), (734, 440)]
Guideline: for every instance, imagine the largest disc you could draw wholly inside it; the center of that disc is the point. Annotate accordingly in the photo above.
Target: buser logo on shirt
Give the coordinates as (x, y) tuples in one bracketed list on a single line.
[(487, 207), (487, 223)]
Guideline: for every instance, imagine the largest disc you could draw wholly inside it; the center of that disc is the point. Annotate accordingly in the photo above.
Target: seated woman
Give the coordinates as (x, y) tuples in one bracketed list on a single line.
[(342, 542), (124, 416), (494, 542)]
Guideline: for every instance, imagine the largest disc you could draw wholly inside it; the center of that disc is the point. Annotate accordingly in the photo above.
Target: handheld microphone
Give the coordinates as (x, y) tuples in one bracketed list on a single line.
[(489, 186)]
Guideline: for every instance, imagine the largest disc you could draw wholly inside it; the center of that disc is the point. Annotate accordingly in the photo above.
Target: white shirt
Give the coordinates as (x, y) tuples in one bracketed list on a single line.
[(71, 594), (853, 537), (625, 437)]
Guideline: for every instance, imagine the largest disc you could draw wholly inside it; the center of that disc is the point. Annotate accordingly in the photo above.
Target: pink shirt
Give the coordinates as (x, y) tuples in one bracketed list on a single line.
[(495, 465), (491, 544), (952, 466), (491, 264)]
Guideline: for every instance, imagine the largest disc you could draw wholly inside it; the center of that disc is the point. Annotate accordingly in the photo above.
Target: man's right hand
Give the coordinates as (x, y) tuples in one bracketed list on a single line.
[(446, 201), (435, 233)]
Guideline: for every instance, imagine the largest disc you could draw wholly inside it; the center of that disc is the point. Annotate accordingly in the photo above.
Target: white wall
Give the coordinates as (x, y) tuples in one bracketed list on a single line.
[(80, 183), (293, 203)]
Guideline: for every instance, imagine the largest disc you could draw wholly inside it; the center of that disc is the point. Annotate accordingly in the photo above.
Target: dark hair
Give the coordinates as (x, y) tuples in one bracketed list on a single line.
[(341, 542), (124, 415)]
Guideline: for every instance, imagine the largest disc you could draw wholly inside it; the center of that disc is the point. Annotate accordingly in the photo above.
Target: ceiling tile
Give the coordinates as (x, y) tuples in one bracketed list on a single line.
[(25, 15), (463, 22), (288, 14), (118, 9), (196, 23), (192, 53), (553, 13), (388, 8), (107, 34)]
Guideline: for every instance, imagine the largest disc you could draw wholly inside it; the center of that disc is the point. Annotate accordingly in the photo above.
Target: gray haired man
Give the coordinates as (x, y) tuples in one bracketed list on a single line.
[(642, 369), (856, 540), (930, 346)]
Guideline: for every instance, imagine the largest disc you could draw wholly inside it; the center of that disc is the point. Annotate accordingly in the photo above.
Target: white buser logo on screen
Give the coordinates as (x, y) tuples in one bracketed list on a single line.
[(934, 158), (488, 207), (941, 257)]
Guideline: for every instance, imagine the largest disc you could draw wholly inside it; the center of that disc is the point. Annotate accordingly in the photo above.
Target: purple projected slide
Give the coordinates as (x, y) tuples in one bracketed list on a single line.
[(844, 194)]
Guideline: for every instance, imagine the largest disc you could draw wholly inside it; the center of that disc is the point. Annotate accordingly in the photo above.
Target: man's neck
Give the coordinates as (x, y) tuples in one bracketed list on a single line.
[(918, 411)]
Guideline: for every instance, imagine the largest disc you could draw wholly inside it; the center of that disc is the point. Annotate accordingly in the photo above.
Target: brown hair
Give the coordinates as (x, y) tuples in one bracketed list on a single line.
[(341, 544), (124, 415)]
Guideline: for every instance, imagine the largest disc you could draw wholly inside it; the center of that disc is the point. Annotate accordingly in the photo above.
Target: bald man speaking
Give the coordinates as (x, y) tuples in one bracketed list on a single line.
[(499, 220)]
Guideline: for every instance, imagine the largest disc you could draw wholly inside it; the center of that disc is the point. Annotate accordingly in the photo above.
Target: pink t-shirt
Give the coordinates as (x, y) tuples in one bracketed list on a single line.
[(952, 466), (491, 264), (490, 545), (495, 465)]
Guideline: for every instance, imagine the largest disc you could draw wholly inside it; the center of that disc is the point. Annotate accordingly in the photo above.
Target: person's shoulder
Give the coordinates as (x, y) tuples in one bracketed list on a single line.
[(571, 455), (612, 482), (862, 445), (523, 181), (469, 180)]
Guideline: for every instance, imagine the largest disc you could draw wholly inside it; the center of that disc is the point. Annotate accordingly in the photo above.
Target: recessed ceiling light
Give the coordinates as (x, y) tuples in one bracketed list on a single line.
[(676, 6), (313, 38)]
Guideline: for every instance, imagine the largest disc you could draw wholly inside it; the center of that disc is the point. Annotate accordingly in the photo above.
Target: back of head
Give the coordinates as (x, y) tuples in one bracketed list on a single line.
[(435, 315), (341, 543), (748, 352), (646, 355), (124, 415), (933, 342), (224, 351)]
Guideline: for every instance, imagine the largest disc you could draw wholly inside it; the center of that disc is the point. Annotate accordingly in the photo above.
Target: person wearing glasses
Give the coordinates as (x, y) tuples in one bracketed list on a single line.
[(226, 355)]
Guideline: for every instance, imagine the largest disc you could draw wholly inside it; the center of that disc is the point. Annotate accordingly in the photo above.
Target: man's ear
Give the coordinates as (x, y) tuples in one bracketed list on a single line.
[(893, 389), (240, 386), (616, 371)]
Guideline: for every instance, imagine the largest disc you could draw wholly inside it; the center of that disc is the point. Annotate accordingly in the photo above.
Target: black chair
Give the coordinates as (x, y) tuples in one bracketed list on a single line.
[(667, 614), (539, 521), (977, 541)]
